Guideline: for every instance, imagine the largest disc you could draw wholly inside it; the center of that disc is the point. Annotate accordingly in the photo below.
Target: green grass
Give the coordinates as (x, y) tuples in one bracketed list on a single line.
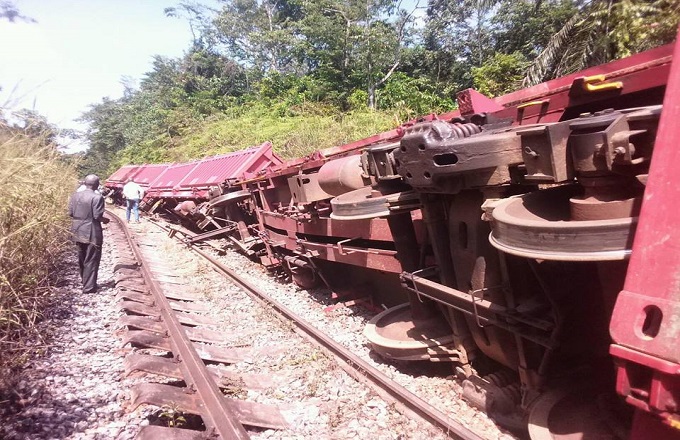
[(293, 133)]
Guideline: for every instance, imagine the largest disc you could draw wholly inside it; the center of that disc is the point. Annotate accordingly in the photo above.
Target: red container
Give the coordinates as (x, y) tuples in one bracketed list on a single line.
[(148, 173), (118, 178), (193, 180)]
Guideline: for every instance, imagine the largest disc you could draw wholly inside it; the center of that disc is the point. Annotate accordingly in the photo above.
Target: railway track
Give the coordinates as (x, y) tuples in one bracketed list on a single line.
[(354, 365), (163, 317)]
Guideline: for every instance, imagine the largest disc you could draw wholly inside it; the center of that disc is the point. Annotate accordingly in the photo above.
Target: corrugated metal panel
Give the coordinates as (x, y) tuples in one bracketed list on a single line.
[(148, 173), (119, 177), (192, 180), (214, 170), (173, 176)]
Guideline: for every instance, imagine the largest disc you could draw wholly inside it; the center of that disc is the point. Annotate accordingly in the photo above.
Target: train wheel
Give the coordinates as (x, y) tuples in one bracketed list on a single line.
[(305, 278), (394, 334), (575, 414), (539, 225)]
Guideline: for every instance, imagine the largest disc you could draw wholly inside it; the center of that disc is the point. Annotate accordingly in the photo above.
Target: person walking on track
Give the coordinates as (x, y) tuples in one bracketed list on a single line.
[(86, 208), (133, 193)]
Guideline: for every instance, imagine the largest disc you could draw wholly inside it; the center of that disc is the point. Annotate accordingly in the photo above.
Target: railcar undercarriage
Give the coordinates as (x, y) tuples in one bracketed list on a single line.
[(495, 239), (509, 243)]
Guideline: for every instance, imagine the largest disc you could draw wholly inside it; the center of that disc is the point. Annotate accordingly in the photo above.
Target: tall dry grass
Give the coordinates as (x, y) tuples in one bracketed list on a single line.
[(34, 189)]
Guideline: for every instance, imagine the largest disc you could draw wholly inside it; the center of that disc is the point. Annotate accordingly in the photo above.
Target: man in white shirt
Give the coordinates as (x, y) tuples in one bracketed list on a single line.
[(133, 193)]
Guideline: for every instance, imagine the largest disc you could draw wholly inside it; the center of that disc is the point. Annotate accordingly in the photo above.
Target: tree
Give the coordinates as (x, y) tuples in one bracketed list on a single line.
[(526, 26), (603, 30), (105, 135), (10, 12), (459, 35), (355, 44), (257, 33), (196, 15), (500, 74)]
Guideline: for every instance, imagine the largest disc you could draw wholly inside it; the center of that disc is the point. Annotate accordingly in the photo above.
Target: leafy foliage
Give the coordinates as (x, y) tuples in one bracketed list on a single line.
[(600, 31), (290, 71), (413, 97), (299, 132), (500, 75)]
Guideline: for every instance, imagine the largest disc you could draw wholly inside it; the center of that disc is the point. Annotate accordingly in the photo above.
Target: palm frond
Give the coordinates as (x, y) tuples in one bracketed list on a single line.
[(548, 56)]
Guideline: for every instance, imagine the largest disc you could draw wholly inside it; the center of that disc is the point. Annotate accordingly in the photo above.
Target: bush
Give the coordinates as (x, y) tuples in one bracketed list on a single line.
[(501, 74), (35, 186), (304, 129), (413, 97)]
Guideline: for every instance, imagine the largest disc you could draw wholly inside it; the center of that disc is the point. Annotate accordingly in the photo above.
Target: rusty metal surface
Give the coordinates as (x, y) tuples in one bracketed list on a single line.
[(361, 368), (574, 413), (485, 312), (136, 297), (369, 229), (187, 400), (390, 334), (169, 367), (432, 153), (141, 323), (342, 175), (645, 324), (344, 251), (218, 414), (305, 188), (368, 203), (539, 225), (160, 341), (184, 318), (197, 334)]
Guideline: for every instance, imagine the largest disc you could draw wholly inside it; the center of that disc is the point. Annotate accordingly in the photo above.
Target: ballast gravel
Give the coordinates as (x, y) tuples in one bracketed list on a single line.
[(77, 389)]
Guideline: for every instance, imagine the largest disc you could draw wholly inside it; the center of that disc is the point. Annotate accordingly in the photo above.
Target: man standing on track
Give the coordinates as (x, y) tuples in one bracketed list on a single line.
[(86, 208), (133, 193)]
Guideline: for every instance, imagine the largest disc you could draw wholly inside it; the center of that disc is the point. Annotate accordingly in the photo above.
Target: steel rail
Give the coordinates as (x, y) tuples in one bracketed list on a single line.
[(395, 391), (217, 416)]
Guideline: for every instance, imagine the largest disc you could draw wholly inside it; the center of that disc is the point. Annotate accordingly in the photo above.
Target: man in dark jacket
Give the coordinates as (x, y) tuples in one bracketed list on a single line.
[(86, 208)]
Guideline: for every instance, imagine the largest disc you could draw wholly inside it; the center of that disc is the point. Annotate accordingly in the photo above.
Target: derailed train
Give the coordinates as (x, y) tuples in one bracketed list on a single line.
[(505, 238)]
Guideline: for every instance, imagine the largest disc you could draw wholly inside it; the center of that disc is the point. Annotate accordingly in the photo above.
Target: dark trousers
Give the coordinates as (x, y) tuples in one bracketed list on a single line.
[(89, 256)]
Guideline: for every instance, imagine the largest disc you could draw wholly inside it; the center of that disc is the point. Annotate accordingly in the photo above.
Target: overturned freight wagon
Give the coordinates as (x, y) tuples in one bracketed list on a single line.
[(498, 237), (186, 188), (143, 175)]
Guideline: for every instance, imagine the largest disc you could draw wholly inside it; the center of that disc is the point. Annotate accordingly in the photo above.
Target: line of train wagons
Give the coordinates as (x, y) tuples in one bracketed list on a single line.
[(497, 237)]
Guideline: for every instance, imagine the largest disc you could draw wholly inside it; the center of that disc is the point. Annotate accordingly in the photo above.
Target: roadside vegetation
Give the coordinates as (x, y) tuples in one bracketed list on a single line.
[(35, 182), (305, 75), (311, 74)]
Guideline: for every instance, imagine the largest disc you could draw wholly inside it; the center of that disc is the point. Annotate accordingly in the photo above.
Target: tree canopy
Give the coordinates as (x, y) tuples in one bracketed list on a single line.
[(288, 59)]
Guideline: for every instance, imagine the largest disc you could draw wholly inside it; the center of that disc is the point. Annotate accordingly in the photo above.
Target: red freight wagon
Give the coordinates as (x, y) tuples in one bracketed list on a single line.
[(148, 173), (118, 179), (193, 180), (213, 171), (164, 185)]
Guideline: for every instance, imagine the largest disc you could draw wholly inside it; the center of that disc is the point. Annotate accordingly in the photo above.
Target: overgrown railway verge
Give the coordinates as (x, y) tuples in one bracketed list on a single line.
[(90, 379)]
